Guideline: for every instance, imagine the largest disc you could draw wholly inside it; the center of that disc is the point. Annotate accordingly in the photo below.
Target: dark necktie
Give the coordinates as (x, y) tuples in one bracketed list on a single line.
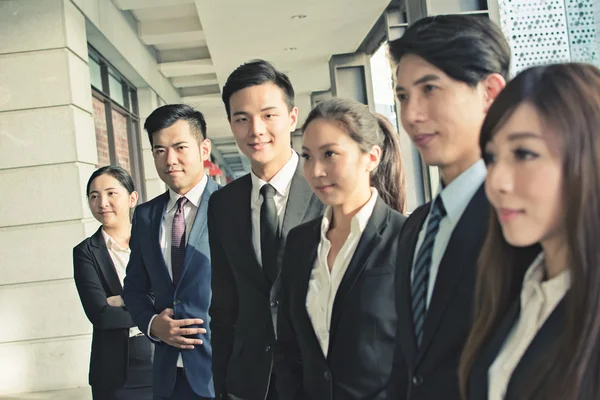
[(269, 236), (178, 240), (421, 268)]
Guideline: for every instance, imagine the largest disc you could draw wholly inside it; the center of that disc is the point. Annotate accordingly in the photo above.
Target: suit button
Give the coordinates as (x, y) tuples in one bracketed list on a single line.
[(327, 375), (176, 302), (274, 303), (417, 380), (267, 349)]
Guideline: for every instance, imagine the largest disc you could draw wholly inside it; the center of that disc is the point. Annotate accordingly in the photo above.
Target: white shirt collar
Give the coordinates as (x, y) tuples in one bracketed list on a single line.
[(193, 196), (359, 220), (282, 181), (457, 195), (111, 243), (535, 277)]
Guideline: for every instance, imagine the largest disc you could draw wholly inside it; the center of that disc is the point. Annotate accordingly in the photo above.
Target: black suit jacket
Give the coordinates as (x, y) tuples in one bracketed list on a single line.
[(431, 371), (243, 300), (363, 322), (533, 356), (96, 280)]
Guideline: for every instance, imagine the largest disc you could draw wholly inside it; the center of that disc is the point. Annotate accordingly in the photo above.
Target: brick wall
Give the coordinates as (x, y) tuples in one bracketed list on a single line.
[(121, 140), (101, 132)]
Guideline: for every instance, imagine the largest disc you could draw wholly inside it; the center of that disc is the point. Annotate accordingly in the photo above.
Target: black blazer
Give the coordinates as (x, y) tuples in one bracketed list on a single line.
[(363, 322), (431, 372), (533, 356), (96, 280), (243, 300)]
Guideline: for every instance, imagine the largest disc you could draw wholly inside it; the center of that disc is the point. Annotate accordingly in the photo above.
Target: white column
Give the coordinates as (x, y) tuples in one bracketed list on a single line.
[(49, 151), (148, 101)]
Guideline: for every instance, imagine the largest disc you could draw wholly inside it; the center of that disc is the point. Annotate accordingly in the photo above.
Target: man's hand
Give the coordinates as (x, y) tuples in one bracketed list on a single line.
[(115, 301), (173, 332)]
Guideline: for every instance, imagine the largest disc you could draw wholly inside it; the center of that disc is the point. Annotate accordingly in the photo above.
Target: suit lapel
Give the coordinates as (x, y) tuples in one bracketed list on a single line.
[(307, 264), (241, 219), (298, 200), (462, 250), (365, 251), (538, 351), (156, 216), (408, 242), (105, 262), (478, 381), (198, 226)]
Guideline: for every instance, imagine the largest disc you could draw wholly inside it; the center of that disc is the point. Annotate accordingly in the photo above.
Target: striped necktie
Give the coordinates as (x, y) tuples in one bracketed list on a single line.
[(421, 268)]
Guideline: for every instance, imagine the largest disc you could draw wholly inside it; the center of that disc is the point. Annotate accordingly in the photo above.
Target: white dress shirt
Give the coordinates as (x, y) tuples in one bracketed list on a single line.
[(190, 209), (539, 298), (456, 197), (323, 285), (120, 258), (281, 182)]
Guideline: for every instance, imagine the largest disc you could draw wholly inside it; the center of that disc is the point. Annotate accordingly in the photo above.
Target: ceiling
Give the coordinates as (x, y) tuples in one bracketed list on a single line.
[(199, 43)]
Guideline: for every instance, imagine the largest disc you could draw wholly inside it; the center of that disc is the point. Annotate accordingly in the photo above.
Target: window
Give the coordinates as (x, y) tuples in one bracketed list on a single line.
[(116, 119)]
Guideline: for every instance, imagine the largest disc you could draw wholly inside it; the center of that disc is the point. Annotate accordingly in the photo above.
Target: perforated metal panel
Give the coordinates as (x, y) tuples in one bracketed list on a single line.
[(582, 21), (536, 31)]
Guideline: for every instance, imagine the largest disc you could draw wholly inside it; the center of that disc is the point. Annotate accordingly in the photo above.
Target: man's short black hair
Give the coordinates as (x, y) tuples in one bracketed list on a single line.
[(467, 48), (165, 116), (253, 73)]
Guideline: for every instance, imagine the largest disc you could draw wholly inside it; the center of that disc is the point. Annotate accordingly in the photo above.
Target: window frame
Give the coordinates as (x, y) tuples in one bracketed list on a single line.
[(131, 112)]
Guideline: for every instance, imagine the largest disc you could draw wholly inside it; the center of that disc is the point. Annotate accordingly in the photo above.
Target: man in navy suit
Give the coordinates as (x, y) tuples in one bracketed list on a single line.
[(167, 289)]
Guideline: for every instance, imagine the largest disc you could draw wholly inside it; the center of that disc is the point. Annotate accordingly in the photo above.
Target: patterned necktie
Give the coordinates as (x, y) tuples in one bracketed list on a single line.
[(421, 268), (178, 241), (269, 224)]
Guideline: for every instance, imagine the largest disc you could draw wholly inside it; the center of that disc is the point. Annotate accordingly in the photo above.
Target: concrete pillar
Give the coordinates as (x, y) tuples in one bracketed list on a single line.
[(148, 101), (49, 151)]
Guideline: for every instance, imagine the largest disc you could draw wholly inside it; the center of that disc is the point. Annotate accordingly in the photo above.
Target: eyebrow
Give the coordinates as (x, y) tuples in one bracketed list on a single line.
[(523, 135), (421, 80), (321, 147), (160, 146), (247, 113)]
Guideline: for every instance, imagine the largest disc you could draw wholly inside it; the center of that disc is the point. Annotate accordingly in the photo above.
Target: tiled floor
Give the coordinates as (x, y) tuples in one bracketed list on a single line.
[(71, 394)]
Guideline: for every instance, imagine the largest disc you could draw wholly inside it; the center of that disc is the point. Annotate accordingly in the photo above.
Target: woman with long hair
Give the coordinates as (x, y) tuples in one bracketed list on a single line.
[(337, 320), (536, 333), (121, 359)]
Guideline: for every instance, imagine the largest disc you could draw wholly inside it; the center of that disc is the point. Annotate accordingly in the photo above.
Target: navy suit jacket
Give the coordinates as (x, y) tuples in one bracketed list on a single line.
[(147, 273)]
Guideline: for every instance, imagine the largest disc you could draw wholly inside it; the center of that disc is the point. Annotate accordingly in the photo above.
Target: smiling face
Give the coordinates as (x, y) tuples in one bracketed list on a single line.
[(262, 124), (441, 115), (524, 181), (178, 157), (337, 171), (110, 202)]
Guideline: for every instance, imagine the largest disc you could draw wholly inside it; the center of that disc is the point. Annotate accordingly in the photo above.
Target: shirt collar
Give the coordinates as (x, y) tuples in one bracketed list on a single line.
[(535, 277), (111, 244), (457, 195), (282, 181), (193, 196), (359, 220)]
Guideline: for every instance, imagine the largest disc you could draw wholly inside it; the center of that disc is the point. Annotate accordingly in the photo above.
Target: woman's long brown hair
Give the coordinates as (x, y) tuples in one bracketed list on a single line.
[(567, 98)]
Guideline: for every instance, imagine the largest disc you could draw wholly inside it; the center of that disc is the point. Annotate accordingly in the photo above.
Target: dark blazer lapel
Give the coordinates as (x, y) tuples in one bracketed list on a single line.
[(199, 224), (462, 250), (309, 257), (105, 262), (537, 351), (241, 220), (298, 200), (156, 215), (366, 250), (408, 242), (478, 381)]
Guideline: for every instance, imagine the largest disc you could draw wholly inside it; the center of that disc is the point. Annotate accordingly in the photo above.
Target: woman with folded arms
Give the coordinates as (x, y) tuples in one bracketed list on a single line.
[(121, 359)]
